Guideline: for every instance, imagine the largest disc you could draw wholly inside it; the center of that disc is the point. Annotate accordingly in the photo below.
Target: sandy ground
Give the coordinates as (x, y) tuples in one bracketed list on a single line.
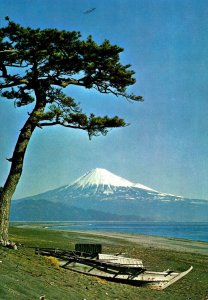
[(156, 242), (181, 245)]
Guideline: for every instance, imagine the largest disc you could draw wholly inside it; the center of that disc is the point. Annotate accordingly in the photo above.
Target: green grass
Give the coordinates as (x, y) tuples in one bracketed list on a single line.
[(24, 275)]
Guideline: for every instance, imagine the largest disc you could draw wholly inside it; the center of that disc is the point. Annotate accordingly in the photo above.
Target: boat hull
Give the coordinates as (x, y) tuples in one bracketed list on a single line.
[(114, 268), (140, 277)]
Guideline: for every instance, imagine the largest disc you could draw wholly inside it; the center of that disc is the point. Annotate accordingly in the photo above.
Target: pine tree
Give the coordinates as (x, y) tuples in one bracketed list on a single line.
[(46, 62)]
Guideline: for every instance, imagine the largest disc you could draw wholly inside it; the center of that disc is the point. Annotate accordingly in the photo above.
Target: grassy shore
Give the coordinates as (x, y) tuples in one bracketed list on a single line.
[(24, 275)]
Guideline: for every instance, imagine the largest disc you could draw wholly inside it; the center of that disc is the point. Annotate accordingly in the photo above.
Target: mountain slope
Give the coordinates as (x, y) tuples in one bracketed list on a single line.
[(100, 177), (104, 192), (103, 181), (44, 210)]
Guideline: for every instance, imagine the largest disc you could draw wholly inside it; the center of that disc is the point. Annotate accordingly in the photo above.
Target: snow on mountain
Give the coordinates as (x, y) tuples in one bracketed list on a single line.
[(143, 187), (101, 195), (101, 177)]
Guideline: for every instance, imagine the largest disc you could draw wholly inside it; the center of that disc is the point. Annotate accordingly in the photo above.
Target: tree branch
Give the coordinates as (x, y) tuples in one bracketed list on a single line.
[(15, 83), (63, 82), (62, 124)]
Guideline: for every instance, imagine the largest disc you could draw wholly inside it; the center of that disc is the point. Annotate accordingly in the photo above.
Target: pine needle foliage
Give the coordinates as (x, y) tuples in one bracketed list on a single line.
[(36, 66)]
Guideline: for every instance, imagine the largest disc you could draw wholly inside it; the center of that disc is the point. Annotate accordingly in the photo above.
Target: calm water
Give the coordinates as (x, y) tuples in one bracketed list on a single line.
[(191, 231)]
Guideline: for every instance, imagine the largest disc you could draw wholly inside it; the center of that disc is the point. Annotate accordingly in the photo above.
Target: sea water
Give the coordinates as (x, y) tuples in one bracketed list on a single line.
[(191, 231)]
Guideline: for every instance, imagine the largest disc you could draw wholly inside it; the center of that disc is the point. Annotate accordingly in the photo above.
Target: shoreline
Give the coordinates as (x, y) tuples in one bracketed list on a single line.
[(191, 231), (180, 245), (157, 253), (166, 243)]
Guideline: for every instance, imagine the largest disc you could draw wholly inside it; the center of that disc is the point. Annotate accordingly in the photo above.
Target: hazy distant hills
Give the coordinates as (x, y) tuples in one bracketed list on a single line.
[(100, 195)]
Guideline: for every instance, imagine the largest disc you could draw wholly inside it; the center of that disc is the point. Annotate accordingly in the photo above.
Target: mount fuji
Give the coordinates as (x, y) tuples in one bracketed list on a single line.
[(101, 181), (102, 195)]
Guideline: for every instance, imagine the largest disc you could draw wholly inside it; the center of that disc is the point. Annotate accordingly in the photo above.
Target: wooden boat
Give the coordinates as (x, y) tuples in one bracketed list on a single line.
[(114, 268)]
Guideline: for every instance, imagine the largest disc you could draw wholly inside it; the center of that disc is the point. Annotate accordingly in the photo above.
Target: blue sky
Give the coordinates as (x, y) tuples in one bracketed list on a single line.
[(166, 145)]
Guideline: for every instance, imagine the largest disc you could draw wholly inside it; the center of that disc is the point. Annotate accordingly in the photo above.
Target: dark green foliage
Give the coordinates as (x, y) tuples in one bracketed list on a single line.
[(35, 67), (48, 60)]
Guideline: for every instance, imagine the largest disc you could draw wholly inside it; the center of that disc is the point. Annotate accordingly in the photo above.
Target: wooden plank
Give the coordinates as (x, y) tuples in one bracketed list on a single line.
[(89, 248), (123, 261)]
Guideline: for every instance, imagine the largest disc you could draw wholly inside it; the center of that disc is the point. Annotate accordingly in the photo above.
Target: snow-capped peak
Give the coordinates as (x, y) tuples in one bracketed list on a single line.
[(143, 187), (100, 177)]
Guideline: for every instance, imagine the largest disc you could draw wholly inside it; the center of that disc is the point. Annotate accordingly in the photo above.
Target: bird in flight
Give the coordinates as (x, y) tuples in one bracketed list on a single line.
[(89, 10)]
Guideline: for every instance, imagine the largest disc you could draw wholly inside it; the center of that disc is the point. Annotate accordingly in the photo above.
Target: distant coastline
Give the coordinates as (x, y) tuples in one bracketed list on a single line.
[(156, 240), (196, 231)]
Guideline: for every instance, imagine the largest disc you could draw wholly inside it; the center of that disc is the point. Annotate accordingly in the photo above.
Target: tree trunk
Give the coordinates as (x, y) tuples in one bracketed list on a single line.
[(16, 169)]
